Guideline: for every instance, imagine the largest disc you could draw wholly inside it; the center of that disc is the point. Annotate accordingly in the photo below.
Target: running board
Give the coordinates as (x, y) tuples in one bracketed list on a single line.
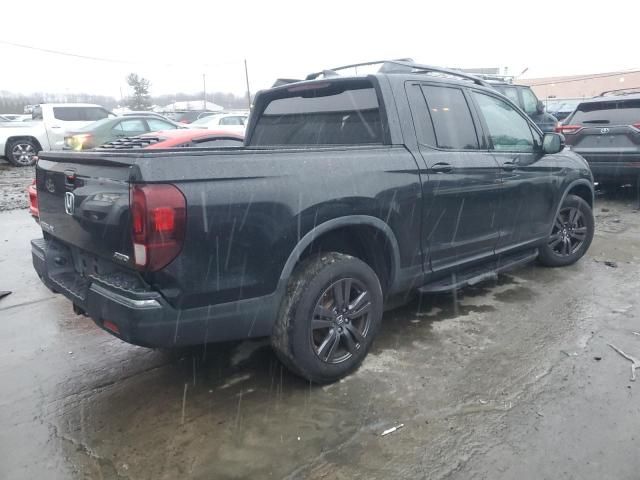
[(481, 273)]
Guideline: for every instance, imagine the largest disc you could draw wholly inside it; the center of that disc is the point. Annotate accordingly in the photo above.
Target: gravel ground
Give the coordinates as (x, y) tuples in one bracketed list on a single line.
[(13, 184)]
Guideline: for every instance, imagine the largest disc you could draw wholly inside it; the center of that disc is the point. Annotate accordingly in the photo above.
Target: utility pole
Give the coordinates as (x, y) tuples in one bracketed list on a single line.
[(204, 92), (246, 76)]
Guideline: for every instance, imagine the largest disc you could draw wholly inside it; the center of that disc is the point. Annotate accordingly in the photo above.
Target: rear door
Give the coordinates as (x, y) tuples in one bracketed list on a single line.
[(462, 189), (528, 191)]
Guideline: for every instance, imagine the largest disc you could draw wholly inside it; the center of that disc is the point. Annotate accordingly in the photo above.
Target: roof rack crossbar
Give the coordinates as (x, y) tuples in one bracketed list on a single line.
[(620, 91), (408, 64)]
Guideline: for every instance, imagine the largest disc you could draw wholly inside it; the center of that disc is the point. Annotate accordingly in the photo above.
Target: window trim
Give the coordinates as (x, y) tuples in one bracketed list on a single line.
[(533, 128)]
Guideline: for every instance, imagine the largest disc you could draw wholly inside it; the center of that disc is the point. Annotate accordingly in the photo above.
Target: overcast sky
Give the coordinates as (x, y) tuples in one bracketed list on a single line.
[(174, 42)]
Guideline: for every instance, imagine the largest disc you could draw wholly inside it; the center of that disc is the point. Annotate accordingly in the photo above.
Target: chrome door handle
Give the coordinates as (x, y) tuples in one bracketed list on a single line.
[(442, 168)]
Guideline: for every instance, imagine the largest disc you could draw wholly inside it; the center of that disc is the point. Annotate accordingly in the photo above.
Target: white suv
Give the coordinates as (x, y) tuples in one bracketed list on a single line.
[(21, 141)]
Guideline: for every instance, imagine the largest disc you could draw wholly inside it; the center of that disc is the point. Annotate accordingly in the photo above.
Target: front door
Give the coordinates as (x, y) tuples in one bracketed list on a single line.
[(462, 188), (528, 193)]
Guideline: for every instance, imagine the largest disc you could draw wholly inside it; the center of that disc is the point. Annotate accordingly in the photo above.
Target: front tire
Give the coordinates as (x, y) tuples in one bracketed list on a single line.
[(571, 234), (22, 152), (329, 317)]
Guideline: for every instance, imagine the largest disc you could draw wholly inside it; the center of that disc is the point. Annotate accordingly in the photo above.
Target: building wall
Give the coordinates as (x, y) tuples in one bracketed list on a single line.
[(580, 86)]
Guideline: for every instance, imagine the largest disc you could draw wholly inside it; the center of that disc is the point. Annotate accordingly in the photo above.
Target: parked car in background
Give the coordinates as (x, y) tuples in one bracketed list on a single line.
[(523, 96), (178, 138), (15, 117), (351, 190), (231, 121), (32, 194), (605, 130), (21, 141), (109, 129), (188, 116), (562, 108), (144, 113)]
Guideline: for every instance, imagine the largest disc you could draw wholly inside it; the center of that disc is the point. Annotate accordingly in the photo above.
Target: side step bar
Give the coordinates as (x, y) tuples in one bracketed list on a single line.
[(480, 273)]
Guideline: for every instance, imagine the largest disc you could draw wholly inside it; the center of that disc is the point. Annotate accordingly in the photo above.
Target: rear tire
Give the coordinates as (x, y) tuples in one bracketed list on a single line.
[(22, 152), (571, 234), (329, 317)]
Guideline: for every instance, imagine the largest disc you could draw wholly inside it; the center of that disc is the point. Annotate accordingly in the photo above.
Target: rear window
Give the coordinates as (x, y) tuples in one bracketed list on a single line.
[(79, 114), (615, 112), (329, 114)]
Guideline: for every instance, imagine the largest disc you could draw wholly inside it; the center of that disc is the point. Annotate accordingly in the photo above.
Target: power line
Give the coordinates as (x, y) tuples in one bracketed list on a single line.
[(112, 60), (586, 77), (66, 54)]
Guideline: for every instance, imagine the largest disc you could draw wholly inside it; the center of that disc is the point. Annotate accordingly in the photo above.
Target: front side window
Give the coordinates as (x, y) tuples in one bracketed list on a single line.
[(508, 129), (451, 118)]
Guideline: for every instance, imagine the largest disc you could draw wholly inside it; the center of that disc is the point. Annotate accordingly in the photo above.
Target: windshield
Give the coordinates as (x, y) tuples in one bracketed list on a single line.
[(325, 240)]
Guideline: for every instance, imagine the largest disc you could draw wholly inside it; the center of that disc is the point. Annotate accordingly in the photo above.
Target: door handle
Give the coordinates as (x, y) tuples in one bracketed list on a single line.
[(56, 126), (509, 166), (442, 167)]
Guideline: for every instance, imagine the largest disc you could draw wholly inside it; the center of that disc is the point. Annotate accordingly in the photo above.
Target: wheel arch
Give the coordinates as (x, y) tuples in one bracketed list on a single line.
[(581, 188), (366, 234)]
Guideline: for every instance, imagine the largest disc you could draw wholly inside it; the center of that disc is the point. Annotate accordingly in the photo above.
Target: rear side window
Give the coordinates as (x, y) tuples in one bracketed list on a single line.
[(131, 127), (156, 124), (615, 112), (511, 93), (231, 121), (530, 102), (451, 118), (338, 113), (79, 114)]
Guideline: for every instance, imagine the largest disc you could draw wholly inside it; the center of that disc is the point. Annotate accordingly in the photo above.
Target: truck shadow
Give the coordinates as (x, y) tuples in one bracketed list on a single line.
[(231, 406)]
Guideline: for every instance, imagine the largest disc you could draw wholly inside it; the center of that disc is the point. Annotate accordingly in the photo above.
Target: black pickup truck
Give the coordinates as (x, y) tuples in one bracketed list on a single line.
[(349, 192)]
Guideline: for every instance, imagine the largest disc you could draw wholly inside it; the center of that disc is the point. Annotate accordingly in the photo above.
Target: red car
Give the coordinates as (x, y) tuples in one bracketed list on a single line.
[(179, 138)]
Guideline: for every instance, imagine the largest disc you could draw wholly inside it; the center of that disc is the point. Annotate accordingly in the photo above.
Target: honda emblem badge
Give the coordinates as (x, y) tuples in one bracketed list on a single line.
[(69, 203)]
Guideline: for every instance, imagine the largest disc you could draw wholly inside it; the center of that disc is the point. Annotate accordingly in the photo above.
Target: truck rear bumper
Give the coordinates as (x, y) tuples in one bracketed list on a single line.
[(144, 317)]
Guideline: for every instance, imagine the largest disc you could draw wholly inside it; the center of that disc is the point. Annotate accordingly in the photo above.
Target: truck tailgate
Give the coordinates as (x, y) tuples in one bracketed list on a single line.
[(86, 205)]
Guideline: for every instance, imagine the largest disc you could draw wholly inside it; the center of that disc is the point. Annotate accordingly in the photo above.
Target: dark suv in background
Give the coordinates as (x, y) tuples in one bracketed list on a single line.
[(523, 96), (605, 130)]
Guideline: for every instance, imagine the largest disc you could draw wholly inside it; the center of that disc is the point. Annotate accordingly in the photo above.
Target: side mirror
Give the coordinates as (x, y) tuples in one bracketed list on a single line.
[(552, 143), (540, 107)]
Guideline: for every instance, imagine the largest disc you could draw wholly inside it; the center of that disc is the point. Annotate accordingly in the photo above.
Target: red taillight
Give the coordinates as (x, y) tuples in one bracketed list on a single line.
[(158, 219), (567, 129), (112, 327), (636, 125), (33, 199)]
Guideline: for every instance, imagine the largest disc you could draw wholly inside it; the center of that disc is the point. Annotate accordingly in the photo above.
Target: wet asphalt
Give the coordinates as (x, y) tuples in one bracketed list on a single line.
[(510, 379)]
